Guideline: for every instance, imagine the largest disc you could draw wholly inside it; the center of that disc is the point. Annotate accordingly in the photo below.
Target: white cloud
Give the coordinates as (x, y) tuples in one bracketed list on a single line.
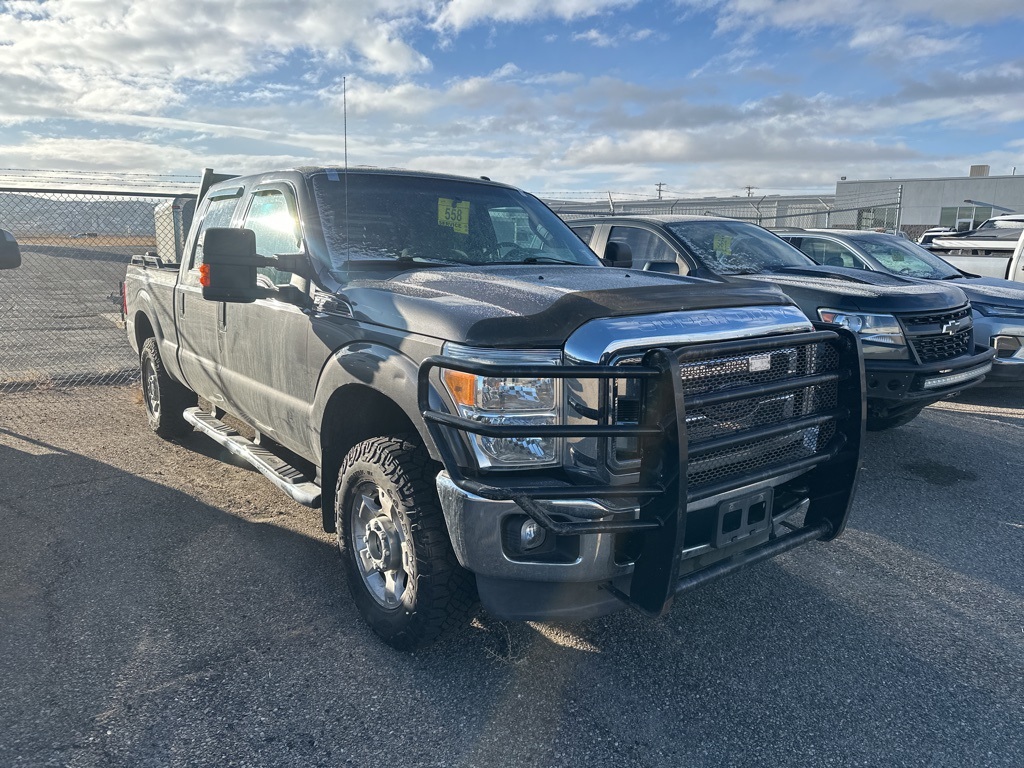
[(249, 88), (592, 36), (875, 24), (603, 40), (461, 14), (219, 42)]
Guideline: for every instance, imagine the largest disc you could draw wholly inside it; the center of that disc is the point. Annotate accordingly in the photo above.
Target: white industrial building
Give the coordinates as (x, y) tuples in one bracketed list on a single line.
[(960, 202), (913, 205)]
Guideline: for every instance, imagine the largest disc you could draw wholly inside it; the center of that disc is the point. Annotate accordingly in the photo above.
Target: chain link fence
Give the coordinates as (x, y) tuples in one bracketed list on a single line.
[(867, 211), (61, 322)]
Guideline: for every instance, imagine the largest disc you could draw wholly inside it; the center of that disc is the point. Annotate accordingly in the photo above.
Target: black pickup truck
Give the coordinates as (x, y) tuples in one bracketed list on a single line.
[(480, 408), (918, 339)]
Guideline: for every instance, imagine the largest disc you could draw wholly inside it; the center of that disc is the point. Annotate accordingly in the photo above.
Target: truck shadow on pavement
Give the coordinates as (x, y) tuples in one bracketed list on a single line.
[(144, 626)]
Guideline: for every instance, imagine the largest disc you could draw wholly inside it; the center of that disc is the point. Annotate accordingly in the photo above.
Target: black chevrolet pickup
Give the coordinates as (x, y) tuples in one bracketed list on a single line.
[(479, 408), (918, 339)]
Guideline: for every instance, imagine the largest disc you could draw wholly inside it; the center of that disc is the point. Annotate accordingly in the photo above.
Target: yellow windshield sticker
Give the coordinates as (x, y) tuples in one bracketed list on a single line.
[(723, 244), (454, 215)]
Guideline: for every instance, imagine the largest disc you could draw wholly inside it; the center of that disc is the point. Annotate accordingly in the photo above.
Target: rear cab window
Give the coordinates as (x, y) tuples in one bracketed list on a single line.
[(219, 211)]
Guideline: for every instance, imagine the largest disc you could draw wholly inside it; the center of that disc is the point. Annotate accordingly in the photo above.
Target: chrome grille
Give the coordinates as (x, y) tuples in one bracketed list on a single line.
[(720, 374)]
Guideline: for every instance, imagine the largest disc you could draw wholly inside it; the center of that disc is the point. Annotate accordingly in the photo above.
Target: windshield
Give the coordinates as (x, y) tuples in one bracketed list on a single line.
[(736, 247), (424, 220), (902, 257)]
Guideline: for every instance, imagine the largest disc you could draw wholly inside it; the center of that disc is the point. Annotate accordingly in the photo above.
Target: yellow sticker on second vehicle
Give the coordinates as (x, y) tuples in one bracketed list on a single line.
[(453, 214), (723, 244)]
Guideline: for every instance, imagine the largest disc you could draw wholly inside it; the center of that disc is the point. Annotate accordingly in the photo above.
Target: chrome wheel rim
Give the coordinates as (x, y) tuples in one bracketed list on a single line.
[(151, 388), (382, 550)]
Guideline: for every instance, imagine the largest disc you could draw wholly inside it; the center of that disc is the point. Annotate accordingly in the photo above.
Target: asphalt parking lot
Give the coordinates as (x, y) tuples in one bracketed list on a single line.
[(161, 606)]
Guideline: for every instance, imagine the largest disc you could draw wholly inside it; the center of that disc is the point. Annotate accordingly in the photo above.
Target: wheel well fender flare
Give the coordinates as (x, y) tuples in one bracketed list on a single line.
[(364, 391)]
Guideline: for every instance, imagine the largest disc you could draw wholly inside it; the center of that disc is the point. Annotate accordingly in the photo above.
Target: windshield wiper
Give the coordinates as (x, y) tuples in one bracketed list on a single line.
[(427, 260), (541, 259)]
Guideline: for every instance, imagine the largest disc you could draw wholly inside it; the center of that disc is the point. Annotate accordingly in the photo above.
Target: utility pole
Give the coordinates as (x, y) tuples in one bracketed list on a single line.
[(750, 191), (660, 185)]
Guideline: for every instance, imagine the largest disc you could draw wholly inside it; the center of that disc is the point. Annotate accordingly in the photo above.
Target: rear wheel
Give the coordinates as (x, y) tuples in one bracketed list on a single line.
[(165, 398), (402, 572)]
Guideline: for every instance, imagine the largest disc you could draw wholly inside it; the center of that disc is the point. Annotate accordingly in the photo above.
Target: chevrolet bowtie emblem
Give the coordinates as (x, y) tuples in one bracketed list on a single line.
[(951, 327)]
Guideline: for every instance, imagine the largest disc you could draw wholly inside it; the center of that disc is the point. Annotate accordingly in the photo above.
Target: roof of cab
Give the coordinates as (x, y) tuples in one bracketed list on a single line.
[(309, 171)]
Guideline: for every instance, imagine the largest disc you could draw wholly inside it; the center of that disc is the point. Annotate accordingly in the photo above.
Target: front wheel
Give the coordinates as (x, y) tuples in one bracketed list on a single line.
[(399, 562), (165, 398)]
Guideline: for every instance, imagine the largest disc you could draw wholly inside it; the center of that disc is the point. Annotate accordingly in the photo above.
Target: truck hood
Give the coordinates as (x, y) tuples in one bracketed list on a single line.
[(813, 287), (532, 306)]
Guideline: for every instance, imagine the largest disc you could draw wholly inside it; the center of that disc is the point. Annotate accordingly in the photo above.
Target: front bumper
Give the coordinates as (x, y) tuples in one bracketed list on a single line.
[(895, 382), (514, 587), (1006, 371)]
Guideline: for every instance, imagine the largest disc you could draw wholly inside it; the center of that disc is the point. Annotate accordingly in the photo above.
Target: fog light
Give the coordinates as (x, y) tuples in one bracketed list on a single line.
[(1006, 346), (531, 535)]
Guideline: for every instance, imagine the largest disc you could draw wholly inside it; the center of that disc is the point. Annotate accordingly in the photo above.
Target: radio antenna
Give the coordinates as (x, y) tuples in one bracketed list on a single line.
[(344, 113)]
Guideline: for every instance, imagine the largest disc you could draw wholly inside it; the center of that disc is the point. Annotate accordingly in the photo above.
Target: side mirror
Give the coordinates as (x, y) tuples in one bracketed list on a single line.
[(228, 271), (618, 255), (10, 254)]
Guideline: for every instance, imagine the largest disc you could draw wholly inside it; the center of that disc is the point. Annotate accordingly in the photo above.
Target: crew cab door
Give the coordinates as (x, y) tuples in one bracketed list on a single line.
[(271, 384), (197, 320)]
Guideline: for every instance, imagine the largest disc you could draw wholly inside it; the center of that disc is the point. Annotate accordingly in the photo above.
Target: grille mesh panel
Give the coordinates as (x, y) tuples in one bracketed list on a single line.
[(929, 335), (917, 321), (720, 374), (933, 349), (758, 454)]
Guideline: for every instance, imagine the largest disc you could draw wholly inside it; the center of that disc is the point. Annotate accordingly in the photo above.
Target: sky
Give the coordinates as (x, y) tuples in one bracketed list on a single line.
[(569, 98)]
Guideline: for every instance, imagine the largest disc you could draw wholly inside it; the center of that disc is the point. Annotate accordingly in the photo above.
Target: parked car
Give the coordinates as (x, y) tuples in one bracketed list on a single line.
[(918, 338), (929, 235), (10, 254), (479, 407), (998, 305)]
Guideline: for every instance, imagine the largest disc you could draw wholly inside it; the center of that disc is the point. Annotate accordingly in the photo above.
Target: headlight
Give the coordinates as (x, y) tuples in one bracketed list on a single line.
[(880, 335), (507, 401), (996, 310)]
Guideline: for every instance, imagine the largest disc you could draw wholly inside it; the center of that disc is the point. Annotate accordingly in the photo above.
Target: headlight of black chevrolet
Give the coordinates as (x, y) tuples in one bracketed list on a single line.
[(881, 336), (507, 401)]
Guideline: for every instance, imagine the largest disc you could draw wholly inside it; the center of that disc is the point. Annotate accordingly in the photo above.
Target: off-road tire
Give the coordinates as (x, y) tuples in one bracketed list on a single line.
[(164, 398), (439, 593), (877, 423)]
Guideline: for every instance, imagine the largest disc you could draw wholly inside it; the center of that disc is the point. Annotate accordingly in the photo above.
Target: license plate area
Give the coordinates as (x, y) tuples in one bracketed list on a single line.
[(743, 517)]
